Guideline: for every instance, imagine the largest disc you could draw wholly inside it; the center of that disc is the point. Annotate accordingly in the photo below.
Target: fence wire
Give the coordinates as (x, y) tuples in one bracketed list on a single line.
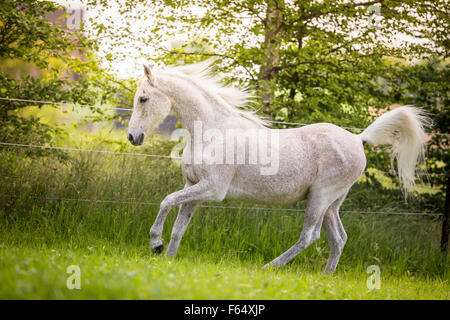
[(163, 156), (89, 150), (129, 109), (66, 104), (131, 202)]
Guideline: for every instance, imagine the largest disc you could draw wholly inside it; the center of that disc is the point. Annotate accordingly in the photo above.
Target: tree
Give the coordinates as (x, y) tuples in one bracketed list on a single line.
[(316, 60), (309, 61), (336, 60), (28, 38)]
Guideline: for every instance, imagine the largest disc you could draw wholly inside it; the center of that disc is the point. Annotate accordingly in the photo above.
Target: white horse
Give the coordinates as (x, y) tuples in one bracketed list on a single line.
[(318, 162)]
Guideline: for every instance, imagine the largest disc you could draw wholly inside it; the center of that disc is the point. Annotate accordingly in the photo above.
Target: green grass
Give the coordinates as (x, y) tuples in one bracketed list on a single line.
[(223, 249), (131, 273)]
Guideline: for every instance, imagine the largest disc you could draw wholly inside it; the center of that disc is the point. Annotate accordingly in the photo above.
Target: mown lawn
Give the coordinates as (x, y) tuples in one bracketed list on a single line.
[(216, 260), (131, 273)]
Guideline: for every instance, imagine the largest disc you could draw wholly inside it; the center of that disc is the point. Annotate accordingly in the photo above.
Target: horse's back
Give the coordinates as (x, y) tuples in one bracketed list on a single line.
[(315, 155)]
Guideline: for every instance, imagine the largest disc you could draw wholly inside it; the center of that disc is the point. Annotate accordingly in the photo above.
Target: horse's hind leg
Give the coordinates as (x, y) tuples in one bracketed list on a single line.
[(318, 203), (337, 237)]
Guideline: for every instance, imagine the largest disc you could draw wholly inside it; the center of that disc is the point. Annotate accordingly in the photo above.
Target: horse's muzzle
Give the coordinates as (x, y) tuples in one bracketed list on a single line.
[(136, 140)]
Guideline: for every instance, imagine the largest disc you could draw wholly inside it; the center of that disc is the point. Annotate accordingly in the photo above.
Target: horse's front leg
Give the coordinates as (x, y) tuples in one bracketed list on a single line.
[(184, 217), (198, 192)]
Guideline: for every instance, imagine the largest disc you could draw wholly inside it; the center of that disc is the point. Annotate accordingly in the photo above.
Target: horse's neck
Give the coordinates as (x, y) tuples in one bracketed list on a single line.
[(192, 104)]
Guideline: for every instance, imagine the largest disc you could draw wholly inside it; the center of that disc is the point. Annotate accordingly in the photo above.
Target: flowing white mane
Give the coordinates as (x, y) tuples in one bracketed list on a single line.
[(234, 100)]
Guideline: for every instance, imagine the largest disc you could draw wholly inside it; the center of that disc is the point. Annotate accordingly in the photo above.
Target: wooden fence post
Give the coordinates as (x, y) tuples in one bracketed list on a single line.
[(446, 221)]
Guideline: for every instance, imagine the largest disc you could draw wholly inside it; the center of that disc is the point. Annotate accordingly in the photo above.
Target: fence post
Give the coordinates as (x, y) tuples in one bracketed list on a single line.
[(446, 221)]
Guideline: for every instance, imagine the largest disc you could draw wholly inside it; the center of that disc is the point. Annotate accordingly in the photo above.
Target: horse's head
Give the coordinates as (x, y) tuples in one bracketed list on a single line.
[(150, 107)]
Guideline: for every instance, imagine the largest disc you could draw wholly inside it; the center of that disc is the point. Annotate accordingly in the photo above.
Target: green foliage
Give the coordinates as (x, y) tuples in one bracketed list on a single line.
[(329, 61), (122, 271), (428, 85), (53, 56)]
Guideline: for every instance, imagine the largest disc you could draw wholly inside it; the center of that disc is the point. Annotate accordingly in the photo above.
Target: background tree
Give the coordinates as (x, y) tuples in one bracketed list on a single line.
[(310, 61), (43, 51), (336, 61)]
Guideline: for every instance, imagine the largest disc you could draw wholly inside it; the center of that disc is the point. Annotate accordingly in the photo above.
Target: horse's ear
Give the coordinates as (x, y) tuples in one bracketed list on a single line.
[(148, 74)]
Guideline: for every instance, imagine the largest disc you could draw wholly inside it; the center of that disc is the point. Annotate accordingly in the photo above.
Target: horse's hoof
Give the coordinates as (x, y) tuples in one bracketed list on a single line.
[(158, 249)]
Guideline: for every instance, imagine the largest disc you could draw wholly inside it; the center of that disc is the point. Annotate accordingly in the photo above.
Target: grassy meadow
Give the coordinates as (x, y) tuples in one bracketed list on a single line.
[(223, 250)]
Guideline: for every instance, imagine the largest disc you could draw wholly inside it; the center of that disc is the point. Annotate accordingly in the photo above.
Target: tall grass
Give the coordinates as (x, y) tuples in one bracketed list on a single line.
[(31, 216)]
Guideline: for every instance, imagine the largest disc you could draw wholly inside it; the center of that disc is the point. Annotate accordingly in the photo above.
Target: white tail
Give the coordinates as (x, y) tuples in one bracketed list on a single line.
[(404, 129)]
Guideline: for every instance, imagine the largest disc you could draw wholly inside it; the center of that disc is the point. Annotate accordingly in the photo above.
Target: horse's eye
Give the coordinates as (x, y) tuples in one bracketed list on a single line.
[(143, 99)]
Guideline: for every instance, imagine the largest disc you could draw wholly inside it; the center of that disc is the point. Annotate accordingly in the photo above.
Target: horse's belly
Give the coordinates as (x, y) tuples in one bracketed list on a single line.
[(273, 189), (267, 196)]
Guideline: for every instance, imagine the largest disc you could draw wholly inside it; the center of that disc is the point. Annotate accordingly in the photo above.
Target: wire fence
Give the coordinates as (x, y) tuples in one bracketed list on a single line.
[(132, 202), (88, 150), (129, 109), (65, 104), (164, 156), (177, 158)]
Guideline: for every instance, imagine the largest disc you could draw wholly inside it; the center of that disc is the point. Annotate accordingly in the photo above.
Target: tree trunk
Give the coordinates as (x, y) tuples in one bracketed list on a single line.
[(274, 29)]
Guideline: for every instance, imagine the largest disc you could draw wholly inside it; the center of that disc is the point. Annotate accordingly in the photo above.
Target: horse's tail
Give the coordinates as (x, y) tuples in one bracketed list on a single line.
[(404, 129)]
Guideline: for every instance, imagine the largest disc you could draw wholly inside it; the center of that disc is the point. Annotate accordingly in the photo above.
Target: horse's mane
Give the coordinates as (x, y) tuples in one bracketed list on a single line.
[(234, 100)]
